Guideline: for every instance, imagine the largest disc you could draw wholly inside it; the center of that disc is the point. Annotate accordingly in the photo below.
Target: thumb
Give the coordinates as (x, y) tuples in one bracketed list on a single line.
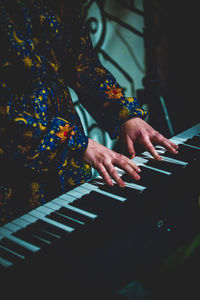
[(130, 147)]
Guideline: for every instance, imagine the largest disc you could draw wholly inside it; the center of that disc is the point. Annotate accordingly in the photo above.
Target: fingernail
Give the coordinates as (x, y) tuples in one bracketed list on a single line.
[(122, 185), (138, 169)]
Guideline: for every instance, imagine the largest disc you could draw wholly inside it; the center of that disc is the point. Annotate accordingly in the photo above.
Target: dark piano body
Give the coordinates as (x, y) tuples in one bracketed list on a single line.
[(98, 238)]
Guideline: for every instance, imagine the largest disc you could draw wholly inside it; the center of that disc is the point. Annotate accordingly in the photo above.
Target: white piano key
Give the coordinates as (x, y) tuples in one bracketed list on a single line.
[(135, 186), (132, 185), (74, 193), (6, 233), (89, 186), (96, 189), (67, 198), (5, 263), (82, 190), (119, 198), (142, 162), (50, 210), (28, 218), (78, 210), (157, 170), (43, 209), (186, 134), (138, 160), (12, 227), (52, 205), (20, 222), (166, 158), (42, 217), (174, 161)]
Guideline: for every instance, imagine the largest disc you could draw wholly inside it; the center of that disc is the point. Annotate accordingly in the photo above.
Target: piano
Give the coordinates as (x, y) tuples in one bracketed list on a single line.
[(98, 237)]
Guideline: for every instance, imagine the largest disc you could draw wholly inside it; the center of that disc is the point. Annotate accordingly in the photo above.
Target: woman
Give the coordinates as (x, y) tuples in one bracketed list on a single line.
[(44, 150)]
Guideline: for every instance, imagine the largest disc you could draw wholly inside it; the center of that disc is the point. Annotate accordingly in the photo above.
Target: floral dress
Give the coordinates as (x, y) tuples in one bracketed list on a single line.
[(44, 50)]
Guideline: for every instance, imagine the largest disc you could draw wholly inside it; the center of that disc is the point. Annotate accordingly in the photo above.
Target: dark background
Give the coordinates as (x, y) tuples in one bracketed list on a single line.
[(171, 40)]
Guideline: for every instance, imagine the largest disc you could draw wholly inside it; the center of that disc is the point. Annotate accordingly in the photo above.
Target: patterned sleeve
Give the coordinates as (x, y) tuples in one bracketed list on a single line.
[(38, 144), (99, 91)]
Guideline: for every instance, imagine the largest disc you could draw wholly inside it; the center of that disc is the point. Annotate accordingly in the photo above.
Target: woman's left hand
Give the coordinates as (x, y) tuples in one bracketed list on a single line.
[(136, 130)]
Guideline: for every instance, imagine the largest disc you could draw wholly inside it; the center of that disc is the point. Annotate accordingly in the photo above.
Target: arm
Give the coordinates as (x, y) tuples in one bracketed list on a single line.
[(29, 139), (99, 91), (102, 96)]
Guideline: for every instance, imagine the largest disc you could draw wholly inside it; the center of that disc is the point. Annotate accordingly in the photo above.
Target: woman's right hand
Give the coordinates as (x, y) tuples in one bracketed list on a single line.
[(104, 161)]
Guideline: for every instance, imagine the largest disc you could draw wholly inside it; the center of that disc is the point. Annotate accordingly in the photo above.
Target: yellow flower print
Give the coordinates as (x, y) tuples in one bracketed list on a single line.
[(7, 64), (4, 110), (114, 92), (35, 186), (64, 131), (124, 113), (71, 181), (100, 71), (27, 61)]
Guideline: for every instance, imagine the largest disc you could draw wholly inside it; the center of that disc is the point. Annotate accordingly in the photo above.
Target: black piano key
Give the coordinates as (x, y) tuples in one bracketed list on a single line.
[(10, 255), (28, 236), (65, 220), (47, 235), (73, 214), (195, 141), (163, 165), (96, 203), (15, 247), (35, 229), (117, 190), (185, 153), (44, 226), (149, 177), (40, 225)]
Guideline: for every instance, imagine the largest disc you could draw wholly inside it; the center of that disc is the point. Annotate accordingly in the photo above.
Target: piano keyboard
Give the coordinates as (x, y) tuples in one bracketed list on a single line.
[(88, 204)]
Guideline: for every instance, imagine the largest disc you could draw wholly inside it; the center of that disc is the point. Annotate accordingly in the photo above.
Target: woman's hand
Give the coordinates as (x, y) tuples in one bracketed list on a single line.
[(104, 161), (137, 130)]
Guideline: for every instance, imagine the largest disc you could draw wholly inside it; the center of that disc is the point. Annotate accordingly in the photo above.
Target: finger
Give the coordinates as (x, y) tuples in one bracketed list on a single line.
[(129, 167), (130, 147), (150, 148), (167, 144), (113, 173), (102, 171)]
